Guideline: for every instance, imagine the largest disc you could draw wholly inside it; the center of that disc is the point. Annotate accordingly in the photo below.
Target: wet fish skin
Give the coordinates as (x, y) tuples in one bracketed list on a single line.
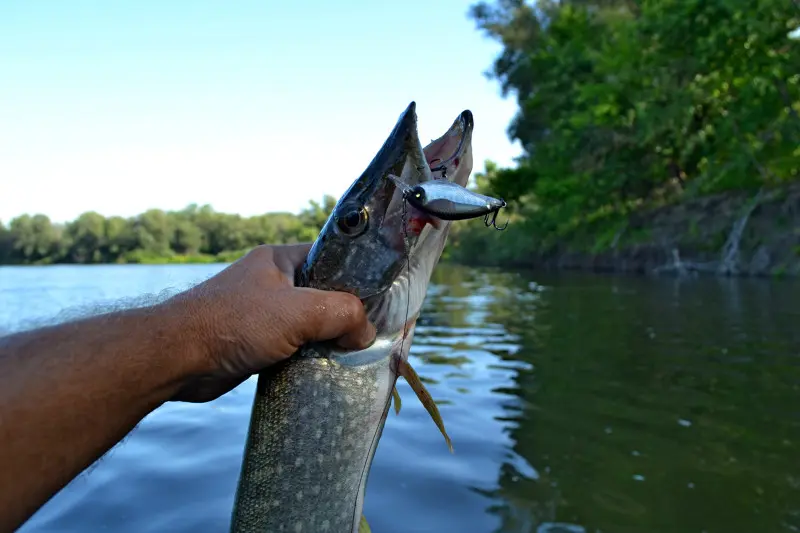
[(317, 417), (312, 428)]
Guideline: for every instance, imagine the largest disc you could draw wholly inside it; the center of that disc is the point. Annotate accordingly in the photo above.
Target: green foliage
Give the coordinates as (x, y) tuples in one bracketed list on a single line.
[(6, 244), (192, 235), (628, 105), (33, 239)]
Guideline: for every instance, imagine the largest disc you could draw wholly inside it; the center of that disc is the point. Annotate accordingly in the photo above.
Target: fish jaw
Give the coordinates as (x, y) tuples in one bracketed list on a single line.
[(451, 154), (450, 157)]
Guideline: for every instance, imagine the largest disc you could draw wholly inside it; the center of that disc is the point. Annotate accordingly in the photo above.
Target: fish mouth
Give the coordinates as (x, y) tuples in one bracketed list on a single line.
[(445, 155), (373, 230), (404, 159), (402, 155), (448, 157)]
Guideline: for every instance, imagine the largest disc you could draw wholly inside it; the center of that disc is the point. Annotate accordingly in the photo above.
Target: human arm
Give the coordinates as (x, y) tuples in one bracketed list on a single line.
[(70, 392)]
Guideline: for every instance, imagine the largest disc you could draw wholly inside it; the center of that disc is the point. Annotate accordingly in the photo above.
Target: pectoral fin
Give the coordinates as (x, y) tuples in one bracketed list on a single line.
[(363, 526), (425, 397), (397, 403)]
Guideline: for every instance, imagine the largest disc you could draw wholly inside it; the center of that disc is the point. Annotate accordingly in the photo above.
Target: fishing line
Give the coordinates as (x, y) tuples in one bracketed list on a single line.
[(372, 447), (406, 249)]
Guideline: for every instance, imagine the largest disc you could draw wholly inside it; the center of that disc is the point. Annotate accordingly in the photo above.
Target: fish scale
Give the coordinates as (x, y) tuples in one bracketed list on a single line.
[(333, 402)]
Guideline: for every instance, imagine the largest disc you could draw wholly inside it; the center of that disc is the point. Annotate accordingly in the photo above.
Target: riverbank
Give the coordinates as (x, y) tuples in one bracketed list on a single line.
[(140, 258), (724, 234), (177, 259), (742, 234)]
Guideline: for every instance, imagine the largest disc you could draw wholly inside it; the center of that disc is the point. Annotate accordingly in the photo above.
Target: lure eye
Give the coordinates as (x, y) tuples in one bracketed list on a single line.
[(417, 195), (353, 222)]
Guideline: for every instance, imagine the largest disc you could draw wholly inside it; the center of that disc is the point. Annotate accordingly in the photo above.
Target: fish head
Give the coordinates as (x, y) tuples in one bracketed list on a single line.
[(372, 232), (362, 245)]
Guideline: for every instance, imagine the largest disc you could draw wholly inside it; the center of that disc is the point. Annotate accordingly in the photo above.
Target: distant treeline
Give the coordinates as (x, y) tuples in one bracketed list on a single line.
[(195, 234), (629, 105)]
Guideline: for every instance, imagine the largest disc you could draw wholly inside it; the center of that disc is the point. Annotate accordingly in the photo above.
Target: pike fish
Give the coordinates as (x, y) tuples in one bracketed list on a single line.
[(318, 416)]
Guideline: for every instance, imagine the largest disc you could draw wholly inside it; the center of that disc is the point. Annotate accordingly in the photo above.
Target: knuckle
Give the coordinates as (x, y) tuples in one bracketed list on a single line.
[(274, 275), (262, 252), (346, 305)]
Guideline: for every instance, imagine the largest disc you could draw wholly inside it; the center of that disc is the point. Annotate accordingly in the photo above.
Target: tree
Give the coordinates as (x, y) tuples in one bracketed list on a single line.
[(155, 235), (6, 244), (622, 104), (87, 236), (120, 238), (153, 232), (35, 239), (316, 214)]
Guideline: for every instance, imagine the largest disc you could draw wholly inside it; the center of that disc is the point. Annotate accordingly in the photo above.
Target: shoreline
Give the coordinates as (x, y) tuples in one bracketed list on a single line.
[(723, 235), (733, 234)]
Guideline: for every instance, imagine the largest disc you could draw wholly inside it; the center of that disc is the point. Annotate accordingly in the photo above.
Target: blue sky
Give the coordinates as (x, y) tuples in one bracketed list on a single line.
[(250, 106)]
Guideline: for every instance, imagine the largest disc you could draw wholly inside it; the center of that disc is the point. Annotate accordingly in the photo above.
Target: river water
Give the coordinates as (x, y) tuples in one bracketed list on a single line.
[(576, 403)]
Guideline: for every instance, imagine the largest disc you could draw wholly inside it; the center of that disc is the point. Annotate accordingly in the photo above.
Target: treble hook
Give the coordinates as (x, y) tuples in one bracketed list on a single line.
[(493, 222), (443, 168)]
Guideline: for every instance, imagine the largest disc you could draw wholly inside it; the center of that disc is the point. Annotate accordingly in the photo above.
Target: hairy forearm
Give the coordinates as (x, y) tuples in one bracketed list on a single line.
[(70, 392)]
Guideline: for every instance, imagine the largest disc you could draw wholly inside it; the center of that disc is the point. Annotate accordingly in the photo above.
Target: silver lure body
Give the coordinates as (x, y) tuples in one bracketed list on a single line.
[(317, 417), (450, 201)]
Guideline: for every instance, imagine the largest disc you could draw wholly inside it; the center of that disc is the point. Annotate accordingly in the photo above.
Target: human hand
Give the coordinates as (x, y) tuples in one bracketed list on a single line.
[(250, 316)]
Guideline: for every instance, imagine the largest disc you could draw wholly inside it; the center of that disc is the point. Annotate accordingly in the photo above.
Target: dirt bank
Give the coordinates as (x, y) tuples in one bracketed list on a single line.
[(725, 234)]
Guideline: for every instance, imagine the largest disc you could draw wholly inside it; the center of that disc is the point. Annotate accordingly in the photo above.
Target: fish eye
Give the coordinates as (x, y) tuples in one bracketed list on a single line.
[(418, 193), (353, 222)]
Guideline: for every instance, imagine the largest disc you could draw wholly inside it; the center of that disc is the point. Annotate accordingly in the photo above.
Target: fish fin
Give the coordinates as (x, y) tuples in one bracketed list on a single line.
[(425, 397), (363, 526), (397, 403)]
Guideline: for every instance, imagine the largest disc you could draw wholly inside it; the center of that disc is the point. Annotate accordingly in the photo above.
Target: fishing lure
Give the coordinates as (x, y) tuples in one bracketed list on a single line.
[(446, 200)]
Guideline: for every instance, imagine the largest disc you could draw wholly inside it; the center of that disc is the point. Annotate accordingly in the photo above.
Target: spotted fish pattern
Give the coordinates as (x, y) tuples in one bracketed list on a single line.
[(336, 404)]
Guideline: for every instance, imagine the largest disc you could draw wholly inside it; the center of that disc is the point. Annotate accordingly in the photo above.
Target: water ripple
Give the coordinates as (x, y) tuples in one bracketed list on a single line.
[(576, 404)]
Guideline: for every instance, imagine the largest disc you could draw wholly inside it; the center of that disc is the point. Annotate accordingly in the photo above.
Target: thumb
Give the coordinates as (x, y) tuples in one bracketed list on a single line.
[(329, 315)]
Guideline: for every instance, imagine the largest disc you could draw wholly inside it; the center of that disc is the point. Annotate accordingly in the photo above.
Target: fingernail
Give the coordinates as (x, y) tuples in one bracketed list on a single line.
[(372, 334)]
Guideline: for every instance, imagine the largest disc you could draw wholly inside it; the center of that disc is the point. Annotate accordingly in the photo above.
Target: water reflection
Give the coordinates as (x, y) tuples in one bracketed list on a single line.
[(576, 404), (667, 405)]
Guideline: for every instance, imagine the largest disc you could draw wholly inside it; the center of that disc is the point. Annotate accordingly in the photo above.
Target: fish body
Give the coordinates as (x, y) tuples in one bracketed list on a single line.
[(317, 417)]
